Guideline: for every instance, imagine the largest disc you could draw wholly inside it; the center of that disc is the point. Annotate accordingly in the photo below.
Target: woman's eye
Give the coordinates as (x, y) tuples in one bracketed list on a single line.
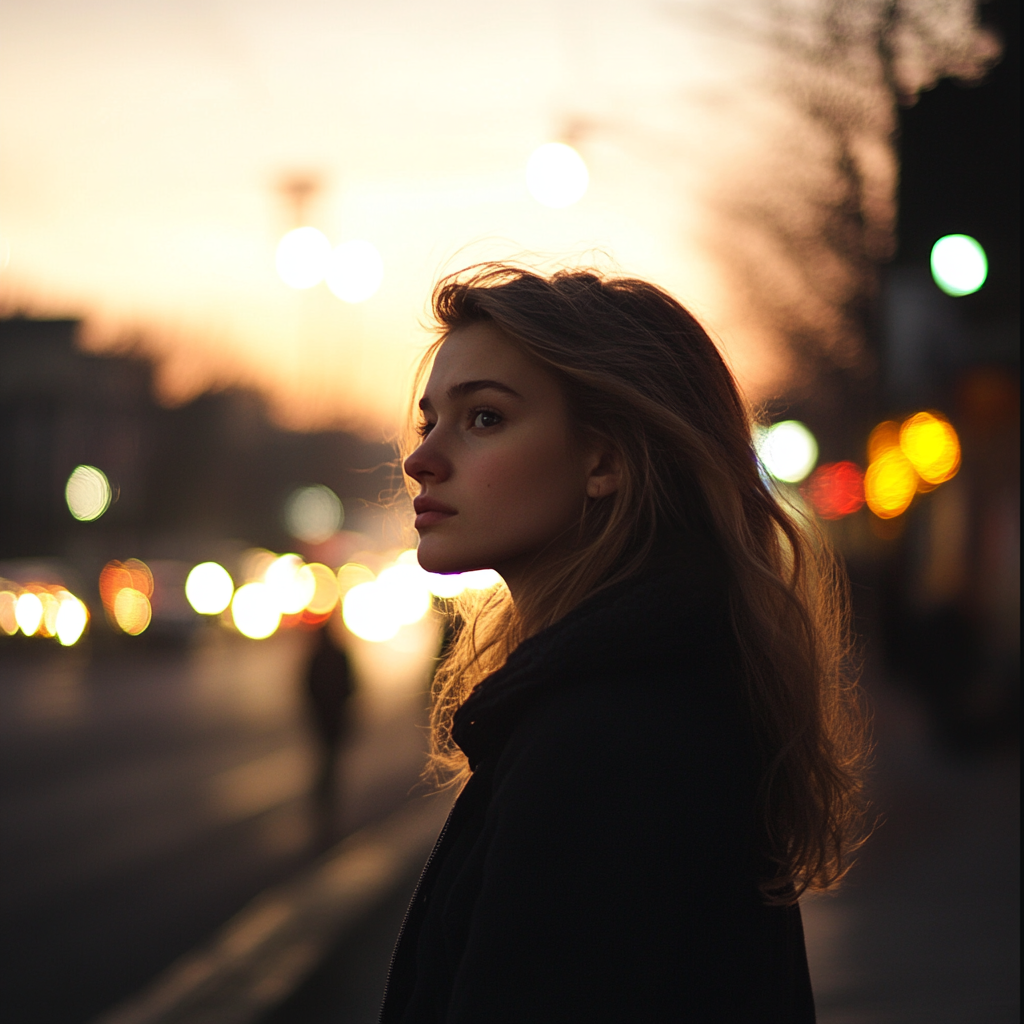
[(486, 418), (424, 428)]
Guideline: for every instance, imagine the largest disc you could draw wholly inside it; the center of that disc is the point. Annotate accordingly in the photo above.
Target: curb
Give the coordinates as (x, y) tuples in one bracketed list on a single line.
[(266, 950)]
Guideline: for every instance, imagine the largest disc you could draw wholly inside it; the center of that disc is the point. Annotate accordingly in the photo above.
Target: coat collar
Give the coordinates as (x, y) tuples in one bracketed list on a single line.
[(663, 616)]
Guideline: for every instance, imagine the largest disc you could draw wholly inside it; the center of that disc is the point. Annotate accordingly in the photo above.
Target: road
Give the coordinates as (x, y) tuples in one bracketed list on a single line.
[(148, 792)]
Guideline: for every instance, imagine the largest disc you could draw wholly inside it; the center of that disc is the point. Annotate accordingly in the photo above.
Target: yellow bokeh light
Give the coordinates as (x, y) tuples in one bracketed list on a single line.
[(291, 582), (932, 446), (254, 611), (351, 574), (885, 436), (87, 493), (132, 611), (28, 613), (209, 588), (367, 612), (890, 484), (556, 175), (48, 623), (325, 593), (72, 618), (8, 620)]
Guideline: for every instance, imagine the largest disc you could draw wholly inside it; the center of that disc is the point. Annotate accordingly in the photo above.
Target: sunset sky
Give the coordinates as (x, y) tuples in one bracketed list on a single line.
[(142, 146)]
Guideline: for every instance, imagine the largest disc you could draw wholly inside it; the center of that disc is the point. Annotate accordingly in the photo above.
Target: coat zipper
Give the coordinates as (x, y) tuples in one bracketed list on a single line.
[(408, 910)]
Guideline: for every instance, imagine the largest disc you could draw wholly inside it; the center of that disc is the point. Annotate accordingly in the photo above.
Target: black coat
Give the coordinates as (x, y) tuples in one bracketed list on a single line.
[(600, 864)]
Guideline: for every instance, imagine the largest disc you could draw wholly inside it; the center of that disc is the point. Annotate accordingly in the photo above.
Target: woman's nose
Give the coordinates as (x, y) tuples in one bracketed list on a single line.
[(426, 462)]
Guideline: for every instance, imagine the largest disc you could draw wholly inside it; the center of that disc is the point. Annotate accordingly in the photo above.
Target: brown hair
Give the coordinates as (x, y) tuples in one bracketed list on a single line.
[(643, 378)]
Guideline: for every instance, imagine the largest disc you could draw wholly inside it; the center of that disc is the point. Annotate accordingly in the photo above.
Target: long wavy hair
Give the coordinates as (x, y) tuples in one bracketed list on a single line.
[(642, 378)]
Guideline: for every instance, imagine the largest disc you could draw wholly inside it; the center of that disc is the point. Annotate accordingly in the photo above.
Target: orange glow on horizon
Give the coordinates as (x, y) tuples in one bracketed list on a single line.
[(153, 208)]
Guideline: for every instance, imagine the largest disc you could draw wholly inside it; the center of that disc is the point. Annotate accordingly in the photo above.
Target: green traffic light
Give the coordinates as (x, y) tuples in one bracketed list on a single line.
[(959, 264)]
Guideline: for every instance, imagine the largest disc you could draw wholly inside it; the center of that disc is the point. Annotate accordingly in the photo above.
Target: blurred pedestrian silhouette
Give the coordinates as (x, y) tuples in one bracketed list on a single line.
[(328, 687)]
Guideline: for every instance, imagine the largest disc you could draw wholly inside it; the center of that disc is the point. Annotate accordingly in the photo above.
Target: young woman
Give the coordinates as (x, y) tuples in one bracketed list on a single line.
[(660, 749)]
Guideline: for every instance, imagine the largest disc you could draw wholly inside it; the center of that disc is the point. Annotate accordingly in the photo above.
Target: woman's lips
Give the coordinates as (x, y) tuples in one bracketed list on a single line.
[(430, 512), (427, 519)]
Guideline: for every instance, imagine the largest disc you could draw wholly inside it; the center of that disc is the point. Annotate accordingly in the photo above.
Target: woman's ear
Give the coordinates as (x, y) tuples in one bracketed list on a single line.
[(604, 474)]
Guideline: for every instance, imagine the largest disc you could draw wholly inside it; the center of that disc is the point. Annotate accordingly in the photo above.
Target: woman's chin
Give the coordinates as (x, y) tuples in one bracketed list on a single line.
[(434, 559)]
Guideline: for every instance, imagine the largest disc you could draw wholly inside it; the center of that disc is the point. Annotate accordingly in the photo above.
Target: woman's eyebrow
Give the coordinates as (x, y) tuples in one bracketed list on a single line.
[(467, 387)]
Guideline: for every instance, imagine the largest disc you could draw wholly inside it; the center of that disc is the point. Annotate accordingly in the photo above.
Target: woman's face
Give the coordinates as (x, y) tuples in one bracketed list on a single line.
[(502, 481)]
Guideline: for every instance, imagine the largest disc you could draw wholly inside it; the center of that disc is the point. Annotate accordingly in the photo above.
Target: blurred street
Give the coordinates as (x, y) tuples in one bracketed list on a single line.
[(148, 795)]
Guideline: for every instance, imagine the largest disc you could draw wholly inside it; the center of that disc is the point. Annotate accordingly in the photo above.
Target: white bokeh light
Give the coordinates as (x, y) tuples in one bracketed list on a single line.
[(959, 264), (407, 590), (87, 493), (302, 257), (208, 588), (367, 613), (291, 583), (355, 271), (29, 613), (254, 611), (787, 450), (313, 513), (556, 175), (72, 618)]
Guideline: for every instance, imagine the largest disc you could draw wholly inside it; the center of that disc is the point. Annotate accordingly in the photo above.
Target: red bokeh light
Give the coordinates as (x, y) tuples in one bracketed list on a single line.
[(835, 489)]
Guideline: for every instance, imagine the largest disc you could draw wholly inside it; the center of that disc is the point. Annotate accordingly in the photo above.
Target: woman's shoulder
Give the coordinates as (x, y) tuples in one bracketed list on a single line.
[(640, 741)]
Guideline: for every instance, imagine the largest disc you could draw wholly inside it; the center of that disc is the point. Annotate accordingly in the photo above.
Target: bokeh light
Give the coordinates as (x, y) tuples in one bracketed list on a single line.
[(787, 450), (835, 489), (959, 264), (351, 574), (302, 257), (890, 484), (114, 577), (51, 606), (407, 592), (72, 618), (325, 593), (291, 584), (932, 446), (449, 585), (28, 613), (209, 588), (367, 612), (87, 493), (355, 271), (141, 575), (885, 436), (8, 620), (132, 578), (556, 175), (132, 611), (254, 611), (313, 514), (255, 562)]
